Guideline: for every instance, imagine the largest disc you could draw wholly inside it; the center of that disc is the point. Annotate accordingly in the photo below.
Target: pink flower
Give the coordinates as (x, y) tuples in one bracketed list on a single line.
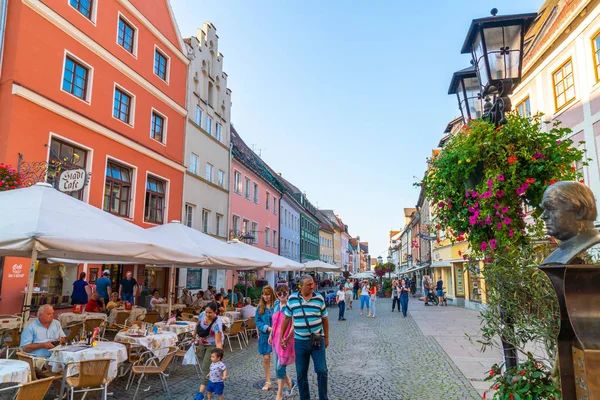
[(496, 206), (538, 155), (504, 210), (559, 141), (499, 193), (483, 246), (500, 177), (510, 233), (441, 204), (499, 226), (490, 183), (493, 243), (488, 220), (519, 190), (474, 194), (507, 248), (464, 203), (471, 209), (507, 221), (472, 220)]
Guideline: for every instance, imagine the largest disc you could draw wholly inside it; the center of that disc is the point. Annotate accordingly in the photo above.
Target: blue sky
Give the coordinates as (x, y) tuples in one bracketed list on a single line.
[(345, 98)]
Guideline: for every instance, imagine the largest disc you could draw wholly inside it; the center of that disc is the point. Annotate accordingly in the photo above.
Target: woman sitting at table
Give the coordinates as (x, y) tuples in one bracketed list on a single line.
[(219, 301), (199, 301), (114, 301), (226, 306), (156, 299), (94, 304)]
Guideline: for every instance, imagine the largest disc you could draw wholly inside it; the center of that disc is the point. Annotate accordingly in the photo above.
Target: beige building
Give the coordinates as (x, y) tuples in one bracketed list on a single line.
[(207, 155), (561, 75), (325, 239)]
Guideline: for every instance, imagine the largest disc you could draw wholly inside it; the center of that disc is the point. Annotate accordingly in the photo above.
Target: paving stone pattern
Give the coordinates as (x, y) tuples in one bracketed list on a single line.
[(385, 358)]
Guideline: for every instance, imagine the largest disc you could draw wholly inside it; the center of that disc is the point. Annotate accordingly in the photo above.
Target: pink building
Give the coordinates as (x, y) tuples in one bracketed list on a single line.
[(254, 199)]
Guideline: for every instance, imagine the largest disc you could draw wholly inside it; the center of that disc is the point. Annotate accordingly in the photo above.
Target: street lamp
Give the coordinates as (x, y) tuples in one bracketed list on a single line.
[(465, 86), (379, 260), (496, 46)]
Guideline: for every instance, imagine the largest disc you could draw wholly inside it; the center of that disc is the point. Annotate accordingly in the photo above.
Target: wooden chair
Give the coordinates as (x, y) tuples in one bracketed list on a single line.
[(187, 316), (250, 326), (188, 310), (183, 347), (92, 377), (89, 324), (75, 329), (151, 317), (150, 367), (235, 332), (36, 369), (34, 390), (121, 322)]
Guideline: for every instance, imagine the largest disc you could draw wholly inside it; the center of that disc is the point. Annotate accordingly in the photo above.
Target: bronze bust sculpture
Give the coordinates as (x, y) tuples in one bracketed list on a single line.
[(569, 214)]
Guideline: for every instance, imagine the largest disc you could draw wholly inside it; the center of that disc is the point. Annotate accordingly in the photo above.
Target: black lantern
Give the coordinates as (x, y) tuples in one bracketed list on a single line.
[(465, 86), (248, 238), (496, 45)]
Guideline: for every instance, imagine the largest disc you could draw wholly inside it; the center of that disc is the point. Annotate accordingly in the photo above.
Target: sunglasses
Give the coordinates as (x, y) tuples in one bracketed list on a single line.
[(281, 294)]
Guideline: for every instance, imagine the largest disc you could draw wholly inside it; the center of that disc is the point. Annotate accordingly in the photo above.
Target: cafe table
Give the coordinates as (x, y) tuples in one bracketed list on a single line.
[(69, 318), (233, 315), (74, 353), (152, 341), (10, 322), (178, 327), (134, 314), (163, 308), (14, 371)]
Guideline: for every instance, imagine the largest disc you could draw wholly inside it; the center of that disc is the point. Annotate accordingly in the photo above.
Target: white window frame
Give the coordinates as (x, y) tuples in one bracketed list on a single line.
[(131, 122), (168, 70), (221, 178), (88, 95), (212, 168), (191, 207), (136, 33), (234, 228), (195, 171), (267, 237), (268, 200), (256, 193), (235, 184), (208, 127), (218, 132), (274, 238), (88, 165), (196, 120), (93, 12), (134, 172), (165, 125), (254, 227), (204, 210), (246, 188), (218, 223), (167, 197)]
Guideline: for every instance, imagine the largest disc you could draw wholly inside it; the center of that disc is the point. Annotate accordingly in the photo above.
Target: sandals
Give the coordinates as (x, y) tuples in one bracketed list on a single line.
[(267, 386)]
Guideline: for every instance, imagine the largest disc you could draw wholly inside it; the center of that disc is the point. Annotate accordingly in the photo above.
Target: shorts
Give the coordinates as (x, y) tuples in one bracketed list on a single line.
[(426, 292), (440, 292), (215, 387)]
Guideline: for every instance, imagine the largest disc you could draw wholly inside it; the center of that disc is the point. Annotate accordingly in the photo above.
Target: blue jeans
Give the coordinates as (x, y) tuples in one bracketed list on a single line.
[(373, 308), (127, 297), (304, 352), (364, 299), (404, 304), (342, 307)]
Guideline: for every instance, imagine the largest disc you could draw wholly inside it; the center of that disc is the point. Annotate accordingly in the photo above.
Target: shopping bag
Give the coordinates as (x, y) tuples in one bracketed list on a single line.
[(190, 356), (77, 308)]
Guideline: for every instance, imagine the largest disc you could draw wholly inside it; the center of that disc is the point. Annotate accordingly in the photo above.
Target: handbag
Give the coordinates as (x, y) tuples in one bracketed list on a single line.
[(206, 331), (190, 356), (315, 338), (77, 308)]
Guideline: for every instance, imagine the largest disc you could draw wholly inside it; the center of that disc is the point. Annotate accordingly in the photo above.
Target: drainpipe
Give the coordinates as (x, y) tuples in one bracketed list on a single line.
[(4, 12), (229, 205)]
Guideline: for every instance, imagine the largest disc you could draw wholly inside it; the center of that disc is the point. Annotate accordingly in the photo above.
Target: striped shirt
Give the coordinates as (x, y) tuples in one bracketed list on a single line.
[(315, 310)]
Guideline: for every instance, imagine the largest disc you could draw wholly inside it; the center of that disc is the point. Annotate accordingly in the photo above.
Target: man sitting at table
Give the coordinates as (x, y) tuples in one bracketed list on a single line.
[(94, 304), (156, 299), (186, 298), (37, 337), (199, 302), (248, 310)]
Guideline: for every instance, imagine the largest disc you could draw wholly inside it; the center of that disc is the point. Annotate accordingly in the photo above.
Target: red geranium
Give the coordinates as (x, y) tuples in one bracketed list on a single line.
[(512, 159)]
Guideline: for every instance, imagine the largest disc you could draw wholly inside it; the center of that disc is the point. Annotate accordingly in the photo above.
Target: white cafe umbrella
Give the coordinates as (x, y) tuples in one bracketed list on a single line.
[(278, 263), (40, 221), (320, 266)]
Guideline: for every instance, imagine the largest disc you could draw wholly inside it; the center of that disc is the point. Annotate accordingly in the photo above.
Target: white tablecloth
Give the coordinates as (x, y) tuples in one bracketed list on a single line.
[(190, 326), (162, 309), (233, 315), (70, 317), (13, 322), (134, 313), (14, 371), (116, 351), (152, 342)]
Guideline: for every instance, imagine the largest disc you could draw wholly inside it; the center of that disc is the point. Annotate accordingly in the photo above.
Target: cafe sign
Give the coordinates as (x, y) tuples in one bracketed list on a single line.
[(72, 180)]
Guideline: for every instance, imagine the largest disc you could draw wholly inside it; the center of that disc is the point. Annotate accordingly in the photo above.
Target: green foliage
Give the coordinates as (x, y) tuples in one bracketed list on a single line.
[(480, 187), (254, 293), (241, 287), (529, 380), (387, 286)]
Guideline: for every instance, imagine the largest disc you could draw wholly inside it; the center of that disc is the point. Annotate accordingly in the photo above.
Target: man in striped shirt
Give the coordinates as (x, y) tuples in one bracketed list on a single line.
[(309, 314)]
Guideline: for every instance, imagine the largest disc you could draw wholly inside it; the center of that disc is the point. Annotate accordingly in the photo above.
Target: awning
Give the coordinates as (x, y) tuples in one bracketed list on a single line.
[(441, 263)]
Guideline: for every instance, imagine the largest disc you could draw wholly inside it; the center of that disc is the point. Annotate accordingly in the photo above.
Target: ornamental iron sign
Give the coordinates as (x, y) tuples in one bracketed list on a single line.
[(72, 180)]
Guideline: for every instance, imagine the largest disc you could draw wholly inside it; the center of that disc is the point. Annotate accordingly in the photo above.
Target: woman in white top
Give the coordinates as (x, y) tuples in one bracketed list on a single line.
[(340, 299), (364, 298), (155, 300)]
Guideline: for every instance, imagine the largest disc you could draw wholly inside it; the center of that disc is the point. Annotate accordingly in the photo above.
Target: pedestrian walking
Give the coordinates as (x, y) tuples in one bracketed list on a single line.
[(348, 286), (355, 289), (395, 295), (128, 288), (426, 288), (404, 297), (81, 291), (340, 299), (308, 312), (364, 298), (104, 286), (209, 334), (263, 319), (373, 298), (217, 375), (413, 287), (283, 357)]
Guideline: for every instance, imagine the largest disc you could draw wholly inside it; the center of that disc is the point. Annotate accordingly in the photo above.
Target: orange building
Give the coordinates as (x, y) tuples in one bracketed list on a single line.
[(98, 86)]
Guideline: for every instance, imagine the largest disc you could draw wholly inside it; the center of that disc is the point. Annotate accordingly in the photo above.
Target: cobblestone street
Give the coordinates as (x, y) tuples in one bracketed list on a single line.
[(383, 358)]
